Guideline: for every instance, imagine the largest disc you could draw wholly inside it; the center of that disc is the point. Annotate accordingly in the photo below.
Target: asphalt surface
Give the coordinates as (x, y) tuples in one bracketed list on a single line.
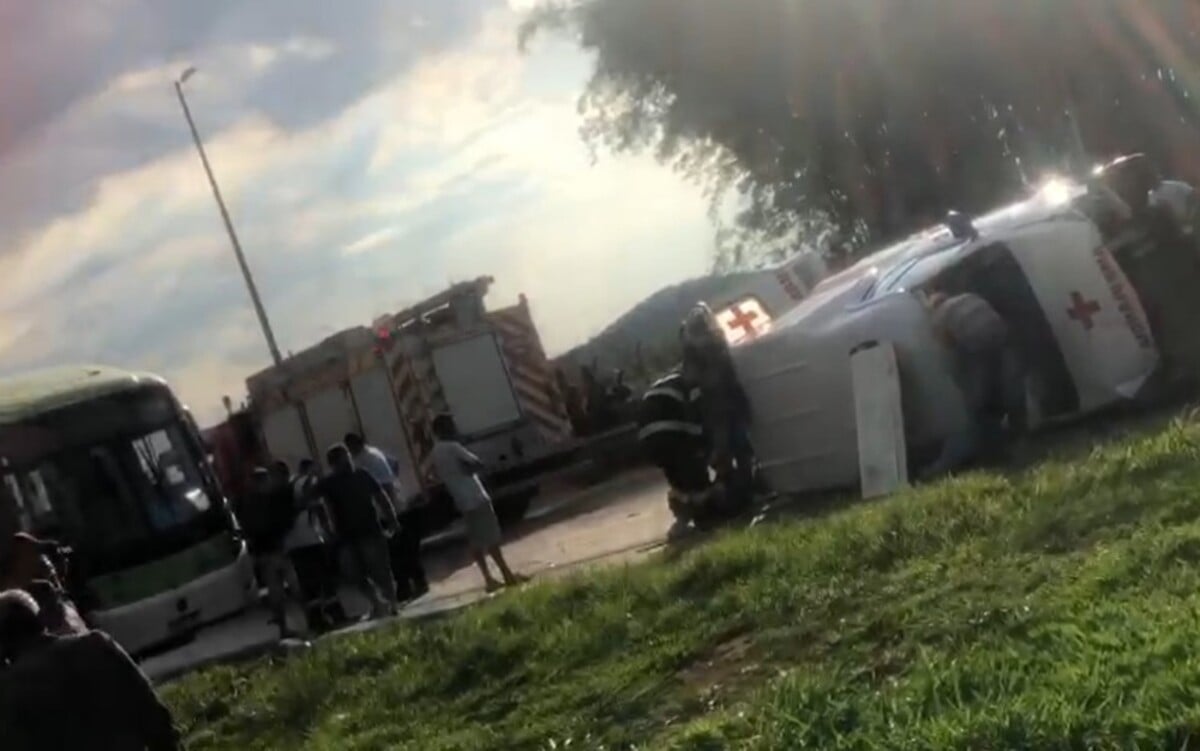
[(616, 521)]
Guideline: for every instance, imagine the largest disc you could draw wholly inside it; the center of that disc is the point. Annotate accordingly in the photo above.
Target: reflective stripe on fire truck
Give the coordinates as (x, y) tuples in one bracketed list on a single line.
[(530, 371), (411, 378)]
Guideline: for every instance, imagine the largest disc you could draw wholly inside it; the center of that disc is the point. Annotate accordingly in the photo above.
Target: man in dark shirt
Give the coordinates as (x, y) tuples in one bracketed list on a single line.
[(357, 503), (267, 518), (73, 692)]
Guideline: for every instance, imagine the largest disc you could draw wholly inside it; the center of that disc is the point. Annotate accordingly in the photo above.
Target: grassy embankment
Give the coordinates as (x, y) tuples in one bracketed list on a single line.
[(1058, 608)]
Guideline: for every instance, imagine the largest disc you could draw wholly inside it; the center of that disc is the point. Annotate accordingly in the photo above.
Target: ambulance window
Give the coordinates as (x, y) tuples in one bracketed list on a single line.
[(910, 274)]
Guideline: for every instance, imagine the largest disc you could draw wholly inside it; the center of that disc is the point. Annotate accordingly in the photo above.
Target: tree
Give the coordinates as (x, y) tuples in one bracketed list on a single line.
[(835, 122)]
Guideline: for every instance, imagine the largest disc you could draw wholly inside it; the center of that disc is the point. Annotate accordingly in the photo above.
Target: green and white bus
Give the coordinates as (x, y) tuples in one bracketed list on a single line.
[(109, 462)]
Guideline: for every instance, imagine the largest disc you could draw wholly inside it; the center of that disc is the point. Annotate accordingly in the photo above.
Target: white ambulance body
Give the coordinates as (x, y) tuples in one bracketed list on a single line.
[(1042, 263), (748, 310)]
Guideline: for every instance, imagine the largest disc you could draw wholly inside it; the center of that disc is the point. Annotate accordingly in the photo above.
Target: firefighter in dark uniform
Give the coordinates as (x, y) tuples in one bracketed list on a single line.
[(669, 430), (65, 693), (724, 407)]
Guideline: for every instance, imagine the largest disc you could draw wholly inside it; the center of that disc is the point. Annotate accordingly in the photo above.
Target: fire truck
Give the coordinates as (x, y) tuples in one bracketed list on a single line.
[(234, 449), (387, 381)]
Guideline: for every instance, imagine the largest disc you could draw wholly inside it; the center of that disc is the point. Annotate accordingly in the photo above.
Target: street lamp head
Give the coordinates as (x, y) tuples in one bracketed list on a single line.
[(183, 77)]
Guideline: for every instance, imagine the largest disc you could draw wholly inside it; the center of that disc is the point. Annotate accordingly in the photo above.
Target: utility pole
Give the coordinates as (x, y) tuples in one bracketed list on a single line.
[(233, 238), (251, 287)]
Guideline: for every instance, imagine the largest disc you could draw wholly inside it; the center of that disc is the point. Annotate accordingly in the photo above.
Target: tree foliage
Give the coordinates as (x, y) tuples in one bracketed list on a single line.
[(839, 120)]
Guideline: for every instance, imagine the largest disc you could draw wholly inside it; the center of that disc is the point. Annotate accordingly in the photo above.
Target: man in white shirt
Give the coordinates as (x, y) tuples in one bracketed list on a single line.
[(459, 470), (376, 463), (404, 547)]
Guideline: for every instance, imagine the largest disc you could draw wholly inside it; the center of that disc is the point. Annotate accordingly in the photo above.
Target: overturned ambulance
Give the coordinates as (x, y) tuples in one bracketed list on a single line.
[(1096, 283)]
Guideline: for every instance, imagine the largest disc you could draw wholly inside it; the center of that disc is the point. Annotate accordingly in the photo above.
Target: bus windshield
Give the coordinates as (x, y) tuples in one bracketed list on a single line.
[(120, 485)]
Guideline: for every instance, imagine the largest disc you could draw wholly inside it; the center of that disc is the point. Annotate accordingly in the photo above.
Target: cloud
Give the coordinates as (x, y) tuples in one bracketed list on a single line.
[(85, 84), (435, 162), (372, 241)]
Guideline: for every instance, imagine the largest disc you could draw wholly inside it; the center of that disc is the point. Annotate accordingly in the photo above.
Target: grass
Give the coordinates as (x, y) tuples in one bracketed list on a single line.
[(1056, 608)]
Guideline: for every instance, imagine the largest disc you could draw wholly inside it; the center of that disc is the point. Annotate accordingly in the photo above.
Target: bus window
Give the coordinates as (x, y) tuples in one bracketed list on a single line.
[(104, 497), (22, 506), (171, 487), (35, 492), (33, 501)]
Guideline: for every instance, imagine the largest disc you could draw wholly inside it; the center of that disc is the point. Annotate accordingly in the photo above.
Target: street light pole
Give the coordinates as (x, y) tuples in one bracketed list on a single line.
[(233, 239), (251, 287)]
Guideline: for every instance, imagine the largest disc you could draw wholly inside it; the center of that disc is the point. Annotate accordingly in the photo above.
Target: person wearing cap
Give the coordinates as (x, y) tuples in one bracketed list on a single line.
[(64, 693), (28, 564), (26, 559)]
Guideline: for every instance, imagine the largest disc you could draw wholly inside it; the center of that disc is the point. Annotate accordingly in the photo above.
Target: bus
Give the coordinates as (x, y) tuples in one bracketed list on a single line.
[(110, 463)]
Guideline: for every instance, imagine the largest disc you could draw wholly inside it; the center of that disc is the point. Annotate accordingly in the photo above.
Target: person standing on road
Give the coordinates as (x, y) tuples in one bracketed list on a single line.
[(405, 545), (64, 693), (376, 463), (459, 470), (307, 545), (357, 503), (268, 518)]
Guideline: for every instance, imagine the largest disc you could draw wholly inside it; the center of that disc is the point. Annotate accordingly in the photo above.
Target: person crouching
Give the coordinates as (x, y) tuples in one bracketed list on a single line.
[(989, 371)]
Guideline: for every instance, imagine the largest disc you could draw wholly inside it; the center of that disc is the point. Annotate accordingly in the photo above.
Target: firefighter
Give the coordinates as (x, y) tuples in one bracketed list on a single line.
[(670, 432), (724, 407)]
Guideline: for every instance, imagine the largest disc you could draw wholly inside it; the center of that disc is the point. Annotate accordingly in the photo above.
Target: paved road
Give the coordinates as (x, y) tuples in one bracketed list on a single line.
[(618, 520)]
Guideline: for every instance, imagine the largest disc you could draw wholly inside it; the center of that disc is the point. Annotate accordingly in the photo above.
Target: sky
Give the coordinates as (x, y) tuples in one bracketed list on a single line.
[(370, 151)]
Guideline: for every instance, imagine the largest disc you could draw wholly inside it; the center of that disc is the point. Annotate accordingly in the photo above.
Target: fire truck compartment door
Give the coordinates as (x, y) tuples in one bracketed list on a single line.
[(284, 435), (476, 385), (331, 414), (381, 421)]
